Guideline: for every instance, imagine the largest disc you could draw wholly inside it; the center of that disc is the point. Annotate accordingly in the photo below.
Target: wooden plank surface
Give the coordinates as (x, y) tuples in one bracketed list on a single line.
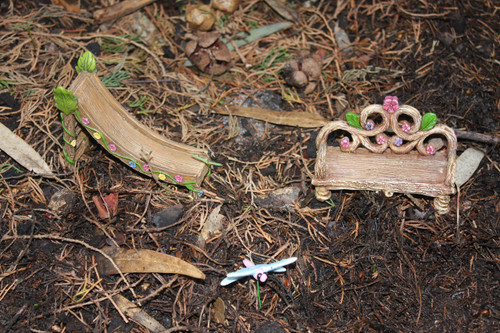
[(403, 173), (132, 138)]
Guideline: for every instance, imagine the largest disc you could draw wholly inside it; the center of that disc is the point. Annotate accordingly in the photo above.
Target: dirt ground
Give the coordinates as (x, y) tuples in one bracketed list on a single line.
[(366, 262)]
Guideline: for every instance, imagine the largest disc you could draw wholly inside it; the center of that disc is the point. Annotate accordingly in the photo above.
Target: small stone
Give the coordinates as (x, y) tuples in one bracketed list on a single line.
[(280, 199), (270, 327), (168, 216), (226, 6), (265, 99), (467, 164), (200, 17), (62, 202)]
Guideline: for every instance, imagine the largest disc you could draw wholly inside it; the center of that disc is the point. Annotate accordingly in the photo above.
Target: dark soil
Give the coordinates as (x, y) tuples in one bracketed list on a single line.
[(365, 263)]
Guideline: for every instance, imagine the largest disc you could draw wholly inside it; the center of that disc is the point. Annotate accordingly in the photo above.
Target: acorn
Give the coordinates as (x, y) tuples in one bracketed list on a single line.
[(208, 53), (303, 72), (226, 6), (200, 17)]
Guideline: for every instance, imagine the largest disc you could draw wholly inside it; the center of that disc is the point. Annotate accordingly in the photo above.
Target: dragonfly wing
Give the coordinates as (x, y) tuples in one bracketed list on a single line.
[(279, 270), (247, 271), (273, 267), (248, 263), (227, 281)]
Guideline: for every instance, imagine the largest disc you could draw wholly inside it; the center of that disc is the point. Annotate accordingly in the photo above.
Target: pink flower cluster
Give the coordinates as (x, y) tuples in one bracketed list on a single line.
[(391, 104), (380, 139), (344, 143), (430, 150), (178, 178), (406, 127)]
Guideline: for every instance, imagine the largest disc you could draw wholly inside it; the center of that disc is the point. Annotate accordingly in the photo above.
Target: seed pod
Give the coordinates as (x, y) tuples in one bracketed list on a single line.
[(303, 72), (200, 17), (226, 6)]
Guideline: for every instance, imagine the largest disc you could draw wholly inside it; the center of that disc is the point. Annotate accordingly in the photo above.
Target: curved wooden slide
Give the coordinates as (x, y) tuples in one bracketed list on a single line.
[(133, 143)]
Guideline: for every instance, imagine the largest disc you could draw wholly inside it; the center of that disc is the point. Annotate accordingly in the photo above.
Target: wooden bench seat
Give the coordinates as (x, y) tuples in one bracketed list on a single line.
[(410, 166)]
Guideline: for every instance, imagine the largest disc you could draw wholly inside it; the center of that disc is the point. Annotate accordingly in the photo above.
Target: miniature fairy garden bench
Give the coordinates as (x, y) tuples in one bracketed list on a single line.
[(389, 148), (88, 104)]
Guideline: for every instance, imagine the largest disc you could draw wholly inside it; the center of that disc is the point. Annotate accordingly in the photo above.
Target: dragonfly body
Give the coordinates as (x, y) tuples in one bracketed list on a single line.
[(259, 272)]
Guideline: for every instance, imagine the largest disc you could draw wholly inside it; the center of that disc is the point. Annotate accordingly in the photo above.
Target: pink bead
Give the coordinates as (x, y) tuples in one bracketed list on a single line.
[(112, 147), (178, 178), (85, 121), (406, 128), (430, 150), (146, 168)]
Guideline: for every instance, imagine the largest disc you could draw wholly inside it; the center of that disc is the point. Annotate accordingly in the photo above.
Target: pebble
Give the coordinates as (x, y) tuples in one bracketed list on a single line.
[(270, 327), (168, 216), (62, 202)]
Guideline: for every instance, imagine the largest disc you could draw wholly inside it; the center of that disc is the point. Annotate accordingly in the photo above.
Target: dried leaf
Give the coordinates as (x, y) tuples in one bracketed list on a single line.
[(137, 314), (20, 151), (107, 207), (283, 9), (293, 118), (219, 311), (145, 261), (213, 224)]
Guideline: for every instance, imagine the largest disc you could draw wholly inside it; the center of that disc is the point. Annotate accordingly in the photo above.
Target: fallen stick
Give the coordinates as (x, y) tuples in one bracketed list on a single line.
[(479, 137)]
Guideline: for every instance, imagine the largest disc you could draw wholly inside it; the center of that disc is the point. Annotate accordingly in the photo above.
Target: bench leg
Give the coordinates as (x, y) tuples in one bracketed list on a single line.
[(322, 194), (442, 204)]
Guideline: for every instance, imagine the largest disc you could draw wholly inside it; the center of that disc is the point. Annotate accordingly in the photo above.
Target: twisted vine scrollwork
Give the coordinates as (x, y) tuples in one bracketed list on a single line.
[(398, 128)]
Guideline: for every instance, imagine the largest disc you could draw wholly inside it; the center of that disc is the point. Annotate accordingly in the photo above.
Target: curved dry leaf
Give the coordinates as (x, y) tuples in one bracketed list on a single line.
[(291, 118), (145, 261), (22, 152), (283, 9)]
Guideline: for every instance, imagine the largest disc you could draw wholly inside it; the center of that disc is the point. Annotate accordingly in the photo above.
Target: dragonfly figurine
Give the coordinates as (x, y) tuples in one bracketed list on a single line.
[(259, 272)]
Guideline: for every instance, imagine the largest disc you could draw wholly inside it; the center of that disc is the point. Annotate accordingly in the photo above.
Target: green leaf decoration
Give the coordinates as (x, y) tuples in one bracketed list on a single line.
[(353, 119), (65, 100), (86, 63), (429, 120)]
